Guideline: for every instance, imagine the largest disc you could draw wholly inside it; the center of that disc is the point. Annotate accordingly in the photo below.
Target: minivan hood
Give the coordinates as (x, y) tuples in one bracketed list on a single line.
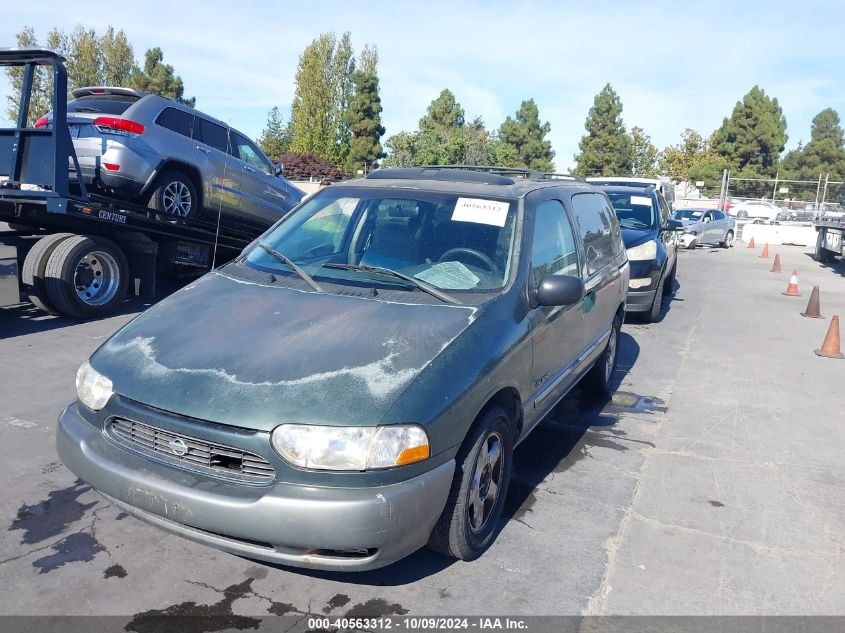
[(254, 355), (635, 237)]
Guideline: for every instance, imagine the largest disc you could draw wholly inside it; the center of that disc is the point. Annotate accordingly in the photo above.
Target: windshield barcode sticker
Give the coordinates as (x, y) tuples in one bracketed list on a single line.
[(480, 211)]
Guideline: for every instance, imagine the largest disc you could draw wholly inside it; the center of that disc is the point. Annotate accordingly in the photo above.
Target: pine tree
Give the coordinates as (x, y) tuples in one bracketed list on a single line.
[(606, 148), (752, 139), (275, 139), (158, 78), (526, 135), (364, 120), (643, 154), (443, 112), (823, 155)]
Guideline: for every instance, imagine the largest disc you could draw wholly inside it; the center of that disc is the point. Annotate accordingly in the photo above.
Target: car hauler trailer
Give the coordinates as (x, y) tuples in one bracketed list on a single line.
[(98, 247), (830, 238)]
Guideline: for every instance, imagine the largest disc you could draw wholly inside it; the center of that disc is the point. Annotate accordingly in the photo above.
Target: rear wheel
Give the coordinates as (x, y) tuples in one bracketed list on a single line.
[(471, 516), (34, 266), (728, 241), (174, 195), (822, 255), (86, 277), (599, 380)]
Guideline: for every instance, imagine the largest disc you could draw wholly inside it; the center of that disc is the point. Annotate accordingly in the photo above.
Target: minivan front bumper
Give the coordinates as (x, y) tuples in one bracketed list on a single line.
[(341, 529)]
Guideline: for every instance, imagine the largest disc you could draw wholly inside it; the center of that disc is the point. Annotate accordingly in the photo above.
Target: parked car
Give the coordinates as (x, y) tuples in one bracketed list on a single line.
[(181, 162), (754, 209), (649, 233), (706, 226), (663, 185), (376, 357)]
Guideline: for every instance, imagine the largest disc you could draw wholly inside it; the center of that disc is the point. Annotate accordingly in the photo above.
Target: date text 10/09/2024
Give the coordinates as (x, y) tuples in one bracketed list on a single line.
[(418, 623)]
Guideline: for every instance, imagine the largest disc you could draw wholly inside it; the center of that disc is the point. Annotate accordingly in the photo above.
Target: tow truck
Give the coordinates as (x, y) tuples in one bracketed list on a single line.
[(830, 236), (95, 248)]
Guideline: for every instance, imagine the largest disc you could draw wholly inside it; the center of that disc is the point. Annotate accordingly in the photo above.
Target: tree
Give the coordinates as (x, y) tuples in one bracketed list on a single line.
[(753, 137), (676, 160), (310, 165), (158, 78), (275, 139), (443, 112), (606, 148), (118, 58), (343, 69), (644, 154), (84, 58), (364, 121), (368, 59), (824, 154), (527, 136), (41, 99)]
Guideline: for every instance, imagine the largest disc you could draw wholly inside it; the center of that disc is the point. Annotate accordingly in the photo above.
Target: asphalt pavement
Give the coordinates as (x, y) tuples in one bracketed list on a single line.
[(712, 483)]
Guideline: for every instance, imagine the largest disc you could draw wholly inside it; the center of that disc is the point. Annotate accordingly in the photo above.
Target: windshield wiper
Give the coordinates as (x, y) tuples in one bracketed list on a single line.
[(86, 109), (288, 262), (427, 288)]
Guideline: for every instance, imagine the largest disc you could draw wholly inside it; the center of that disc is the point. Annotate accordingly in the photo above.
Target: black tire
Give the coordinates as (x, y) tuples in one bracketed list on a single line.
[(728, 241), (599, 380), (822, 255), (34, 266), (653, 314), (669, 282), (93, 264), (454, 534), (172, 188)]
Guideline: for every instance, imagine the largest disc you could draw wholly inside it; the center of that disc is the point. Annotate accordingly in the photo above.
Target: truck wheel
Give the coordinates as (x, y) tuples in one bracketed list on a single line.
[(822, 255), (728, 241), (471, 517), (32, 271), (86, 277), (599, 380), (174, 195)]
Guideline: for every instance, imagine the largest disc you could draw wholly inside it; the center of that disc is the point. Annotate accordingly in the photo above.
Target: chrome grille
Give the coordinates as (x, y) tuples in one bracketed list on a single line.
[(200, 455)]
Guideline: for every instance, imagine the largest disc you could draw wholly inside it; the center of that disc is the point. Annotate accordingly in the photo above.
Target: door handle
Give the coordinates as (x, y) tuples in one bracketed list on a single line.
[(203, 149), (249, 169)]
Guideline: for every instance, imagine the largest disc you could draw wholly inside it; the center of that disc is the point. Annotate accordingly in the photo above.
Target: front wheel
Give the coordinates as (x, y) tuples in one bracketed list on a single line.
[(728, 241), (477, 497)]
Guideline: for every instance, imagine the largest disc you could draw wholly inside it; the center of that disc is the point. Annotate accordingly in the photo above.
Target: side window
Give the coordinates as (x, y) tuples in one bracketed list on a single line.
[(248, 153), (553, 249), (719, 215), (178, 121), (664, 209), (213, 135), (596, 226)]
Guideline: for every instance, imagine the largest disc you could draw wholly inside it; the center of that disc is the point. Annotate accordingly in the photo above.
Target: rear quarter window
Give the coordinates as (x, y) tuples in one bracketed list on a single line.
[(176, 120), (599, 231)]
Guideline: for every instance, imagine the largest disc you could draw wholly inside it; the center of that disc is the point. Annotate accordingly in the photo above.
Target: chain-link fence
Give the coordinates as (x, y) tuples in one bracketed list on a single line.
[(782, 199)]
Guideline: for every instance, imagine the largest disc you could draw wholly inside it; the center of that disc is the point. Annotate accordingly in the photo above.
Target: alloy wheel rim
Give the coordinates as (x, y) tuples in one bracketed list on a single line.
[(95, 278), (177, 199), (610, 360), (486, 482)]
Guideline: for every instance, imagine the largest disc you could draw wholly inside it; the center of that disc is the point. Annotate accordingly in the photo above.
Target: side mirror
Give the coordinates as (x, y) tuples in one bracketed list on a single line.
[(278, 169), (673, 225), (559, 290)]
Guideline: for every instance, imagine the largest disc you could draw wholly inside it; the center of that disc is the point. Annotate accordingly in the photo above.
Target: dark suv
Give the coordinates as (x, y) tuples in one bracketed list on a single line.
[(650, 235), (353, 386)]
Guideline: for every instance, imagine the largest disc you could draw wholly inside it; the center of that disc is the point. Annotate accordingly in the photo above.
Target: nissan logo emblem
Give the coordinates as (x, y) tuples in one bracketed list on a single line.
[(178, 447)]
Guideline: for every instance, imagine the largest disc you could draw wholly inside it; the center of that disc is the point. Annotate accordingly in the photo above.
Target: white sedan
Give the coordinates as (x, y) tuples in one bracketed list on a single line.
[(755, 209)]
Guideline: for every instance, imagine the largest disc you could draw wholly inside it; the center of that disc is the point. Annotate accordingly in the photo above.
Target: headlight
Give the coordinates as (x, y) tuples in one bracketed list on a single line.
[(643, 251), (348, 447), (92, 388)]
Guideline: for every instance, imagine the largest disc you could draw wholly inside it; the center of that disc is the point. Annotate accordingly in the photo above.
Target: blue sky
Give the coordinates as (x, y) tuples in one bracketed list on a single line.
[(674, 64)]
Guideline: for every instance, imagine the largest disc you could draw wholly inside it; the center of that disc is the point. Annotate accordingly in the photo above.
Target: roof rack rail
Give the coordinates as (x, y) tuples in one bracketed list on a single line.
[(562, 176), (519, 172)]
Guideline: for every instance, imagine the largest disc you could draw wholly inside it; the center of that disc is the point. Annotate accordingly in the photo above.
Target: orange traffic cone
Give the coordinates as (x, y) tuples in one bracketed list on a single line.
[(776, 265), (830, 346), (765, 253), (813, 308), (751, 243), (792, 288)]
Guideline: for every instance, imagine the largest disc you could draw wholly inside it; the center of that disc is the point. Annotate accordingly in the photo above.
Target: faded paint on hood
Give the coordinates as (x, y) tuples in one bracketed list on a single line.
[(255, 355)]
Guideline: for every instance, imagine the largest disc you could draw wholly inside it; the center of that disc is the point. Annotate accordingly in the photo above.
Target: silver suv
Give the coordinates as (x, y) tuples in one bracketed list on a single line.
[(147, 148)]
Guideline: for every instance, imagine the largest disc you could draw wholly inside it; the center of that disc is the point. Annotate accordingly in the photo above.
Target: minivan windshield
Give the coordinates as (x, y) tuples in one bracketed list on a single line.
[(455, 243), (633, 211)]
